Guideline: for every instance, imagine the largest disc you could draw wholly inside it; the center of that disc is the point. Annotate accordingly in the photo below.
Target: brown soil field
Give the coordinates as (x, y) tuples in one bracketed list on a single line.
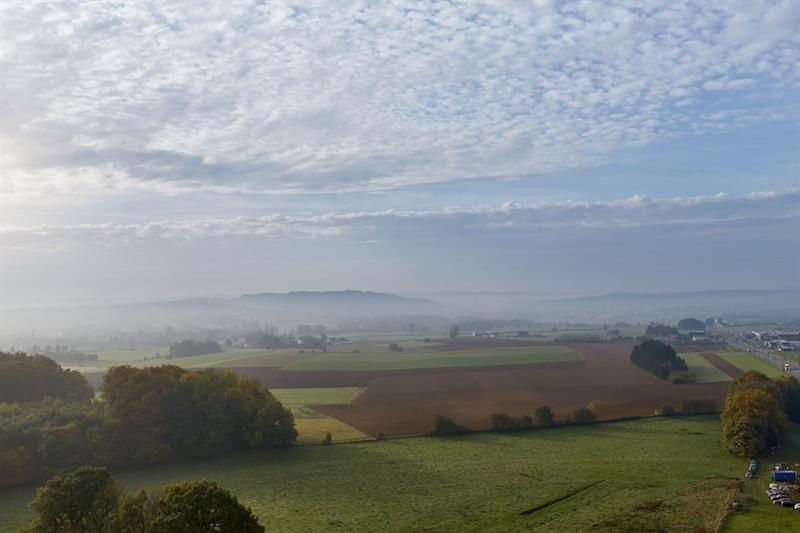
[(722, 364), (407, 404)]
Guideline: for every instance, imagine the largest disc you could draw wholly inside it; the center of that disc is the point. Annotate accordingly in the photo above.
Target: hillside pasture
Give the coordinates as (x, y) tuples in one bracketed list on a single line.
[(592, 478)]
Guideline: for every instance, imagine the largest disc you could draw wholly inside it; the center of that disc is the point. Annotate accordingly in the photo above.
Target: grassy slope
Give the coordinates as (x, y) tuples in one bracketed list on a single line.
[(762, 515), (746, 361), (703, 371), (403, 360), (477, 482)]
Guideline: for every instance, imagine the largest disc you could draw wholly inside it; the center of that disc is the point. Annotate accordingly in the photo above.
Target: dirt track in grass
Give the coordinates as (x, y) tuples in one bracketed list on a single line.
[(407, 404)]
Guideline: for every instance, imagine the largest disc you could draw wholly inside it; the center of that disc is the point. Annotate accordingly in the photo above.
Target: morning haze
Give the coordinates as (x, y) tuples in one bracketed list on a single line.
[(554, 244)]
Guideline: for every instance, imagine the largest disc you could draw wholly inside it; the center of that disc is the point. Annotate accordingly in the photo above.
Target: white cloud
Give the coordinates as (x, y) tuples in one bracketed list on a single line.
[(635, 211), (333, 96)]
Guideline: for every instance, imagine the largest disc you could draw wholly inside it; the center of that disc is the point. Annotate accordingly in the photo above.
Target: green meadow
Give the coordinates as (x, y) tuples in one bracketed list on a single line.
[(659, 474)]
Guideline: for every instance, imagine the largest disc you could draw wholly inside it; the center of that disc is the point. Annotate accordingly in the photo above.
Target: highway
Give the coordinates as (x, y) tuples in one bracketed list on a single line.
[(769, 356)]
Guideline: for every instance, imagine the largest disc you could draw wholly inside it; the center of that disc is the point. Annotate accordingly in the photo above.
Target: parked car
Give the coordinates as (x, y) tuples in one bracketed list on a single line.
[(797, 506), (788, 503)]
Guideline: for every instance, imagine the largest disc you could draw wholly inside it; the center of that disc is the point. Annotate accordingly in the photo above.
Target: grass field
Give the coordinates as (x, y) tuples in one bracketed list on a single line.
[(428, 359), (312, 426), (703, 370), (644, 475), (746, 361), (299, 400)]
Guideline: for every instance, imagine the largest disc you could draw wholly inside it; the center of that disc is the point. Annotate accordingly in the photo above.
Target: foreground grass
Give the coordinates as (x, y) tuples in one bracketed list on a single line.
[(427, 359), (747, 361), (704, 371), (645, 475)]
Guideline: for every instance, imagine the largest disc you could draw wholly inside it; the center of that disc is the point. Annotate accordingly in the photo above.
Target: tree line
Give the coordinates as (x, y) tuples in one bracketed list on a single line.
[(88, 500), (757, 413), (188, 348), (146, 415)]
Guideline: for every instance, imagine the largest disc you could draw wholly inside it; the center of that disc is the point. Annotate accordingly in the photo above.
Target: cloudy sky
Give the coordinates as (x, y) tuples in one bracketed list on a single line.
[(152, 150)]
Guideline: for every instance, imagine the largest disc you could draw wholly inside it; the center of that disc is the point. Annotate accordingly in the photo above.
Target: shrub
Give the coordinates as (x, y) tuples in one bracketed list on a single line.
[(504, 422), (544, 416), (395, 347), (447, 426), (667, 410), (698, 406), (328, 438), (582, 415)]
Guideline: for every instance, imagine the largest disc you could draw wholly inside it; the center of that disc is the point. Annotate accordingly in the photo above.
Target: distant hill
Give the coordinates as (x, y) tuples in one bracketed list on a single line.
[(347, 297)]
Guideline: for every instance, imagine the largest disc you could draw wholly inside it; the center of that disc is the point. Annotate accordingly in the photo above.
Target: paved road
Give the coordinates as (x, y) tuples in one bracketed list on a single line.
[(771, 357)]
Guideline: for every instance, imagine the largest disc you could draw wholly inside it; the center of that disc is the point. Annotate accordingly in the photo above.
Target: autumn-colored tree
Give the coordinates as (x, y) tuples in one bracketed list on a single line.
[(752, 420)]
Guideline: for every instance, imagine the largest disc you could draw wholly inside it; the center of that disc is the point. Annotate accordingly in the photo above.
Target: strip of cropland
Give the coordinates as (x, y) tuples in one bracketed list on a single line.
[(407, 404), (587, 478), (706, 369)]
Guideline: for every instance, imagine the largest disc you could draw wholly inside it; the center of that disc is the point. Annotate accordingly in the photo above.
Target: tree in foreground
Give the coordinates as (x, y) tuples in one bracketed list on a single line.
[(82, 501), (752, 421), (455, 331), (89, 501), (200, 507)]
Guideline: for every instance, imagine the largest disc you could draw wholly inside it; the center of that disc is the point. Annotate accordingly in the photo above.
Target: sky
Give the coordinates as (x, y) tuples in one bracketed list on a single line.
[(172, 149)]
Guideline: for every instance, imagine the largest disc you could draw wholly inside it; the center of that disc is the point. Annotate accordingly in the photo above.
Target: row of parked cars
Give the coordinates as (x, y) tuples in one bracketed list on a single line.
[(779, 495)]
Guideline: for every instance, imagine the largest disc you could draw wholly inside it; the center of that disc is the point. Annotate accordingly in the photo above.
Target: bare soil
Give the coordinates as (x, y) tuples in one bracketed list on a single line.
[(407, 404)]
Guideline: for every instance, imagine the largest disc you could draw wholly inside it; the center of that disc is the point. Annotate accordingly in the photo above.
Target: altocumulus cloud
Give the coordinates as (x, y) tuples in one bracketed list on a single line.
[(755, 209), (346, 96)]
